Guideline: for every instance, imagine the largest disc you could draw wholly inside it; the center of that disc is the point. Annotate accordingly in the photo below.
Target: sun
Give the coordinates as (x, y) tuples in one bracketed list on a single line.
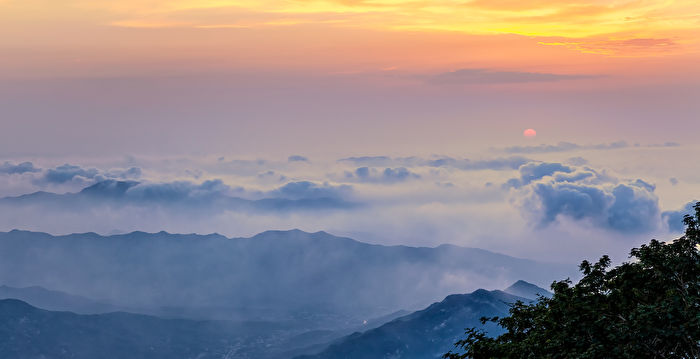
[(529, 133)]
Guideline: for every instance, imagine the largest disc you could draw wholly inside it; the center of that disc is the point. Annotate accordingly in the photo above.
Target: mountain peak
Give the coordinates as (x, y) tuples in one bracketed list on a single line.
[(527, 290), (109, 188)]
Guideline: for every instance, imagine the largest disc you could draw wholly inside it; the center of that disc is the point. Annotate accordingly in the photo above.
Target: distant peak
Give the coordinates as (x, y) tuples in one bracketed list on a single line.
[(527, 290), (522, 283), (109, 187)]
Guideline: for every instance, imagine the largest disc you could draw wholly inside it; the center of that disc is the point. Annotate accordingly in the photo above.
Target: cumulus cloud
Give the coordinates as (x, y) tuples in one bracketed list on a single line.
[(623, 208), (674, 219), (486, 76), (550, 191), (537, 170), (67, 172), (24, 167)]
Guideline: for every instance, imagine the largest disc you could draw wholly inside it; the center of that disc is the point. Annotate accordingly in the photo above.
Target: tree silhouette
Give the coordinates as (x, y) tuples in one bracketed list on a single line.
[(648, 307)]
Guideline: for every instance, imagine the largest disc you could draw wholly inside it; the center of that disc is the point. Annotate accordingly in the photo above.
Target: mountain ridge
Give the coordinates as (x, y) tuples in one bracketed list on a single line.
[(264, 235), (212, 276), (426, 333)]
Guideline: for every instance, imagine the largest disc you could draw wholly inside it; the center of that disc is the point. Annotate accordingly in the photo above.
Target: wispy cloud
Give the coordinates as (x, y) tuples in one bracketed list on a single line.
[(627, 47), (486, 76), (569, 146)]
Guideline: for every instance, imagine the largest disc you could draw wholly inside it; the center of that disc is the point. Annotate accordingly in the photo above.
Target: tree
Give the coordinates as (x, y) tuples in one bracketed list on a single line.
[(648, 307)]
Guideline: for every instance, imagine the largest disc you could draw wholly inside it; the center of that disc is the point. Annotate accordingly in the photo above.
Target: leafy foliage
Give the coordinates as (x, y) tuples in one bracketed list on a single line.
[(648, 307)]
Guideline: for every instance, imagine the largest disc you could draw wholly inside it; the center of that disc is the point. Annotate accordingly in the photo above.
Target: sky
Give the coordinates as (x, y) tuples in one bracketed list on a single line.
[(395, 122)]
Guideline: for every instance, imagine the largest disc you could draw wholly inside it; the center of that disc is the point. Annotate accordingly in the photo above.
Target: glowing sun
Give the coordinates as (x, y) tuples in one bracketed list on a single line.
[(529, 133)]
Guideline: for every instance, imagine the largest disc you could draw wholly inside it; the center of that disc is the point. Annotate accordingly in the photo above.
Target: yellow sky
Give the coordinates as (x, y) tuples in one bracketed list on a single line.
[(351, 35), (566, 18)]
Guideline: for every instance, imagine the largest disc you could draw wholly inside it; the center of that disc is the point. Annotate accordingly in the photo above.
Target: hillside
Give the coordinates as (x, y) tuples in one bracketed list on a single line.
[(425, 334)]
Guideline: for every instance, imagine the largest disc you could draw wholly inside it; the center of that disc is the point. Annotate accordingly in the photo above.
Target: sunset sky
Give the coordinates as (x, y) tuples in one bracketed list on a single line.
[(189, 90), (584, 68)]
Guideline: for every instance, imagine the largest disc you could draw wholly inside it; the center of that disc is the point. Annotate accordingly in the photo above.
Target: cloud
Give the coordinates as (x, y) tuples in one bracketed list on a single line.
[(568, 146), (67, 172), (577, 161), (486, 76), (665, 144), (108, 188), (497, 164), (624, 208), (564, 147), (674, 219), (310, 190), (24, 167), (297, 158), (626, 47), (560, 147), (369, 160), (509, 163), (178, 191), (550, 191), (388, 175), (131, 173), (398, 174), (537, 170), (271, 175), (197, 199)]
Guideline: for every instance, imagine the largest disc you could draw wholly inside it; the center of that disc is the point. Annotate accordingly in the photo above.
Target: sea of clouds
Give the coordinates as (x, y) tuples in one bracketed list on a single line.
[(564, 197)]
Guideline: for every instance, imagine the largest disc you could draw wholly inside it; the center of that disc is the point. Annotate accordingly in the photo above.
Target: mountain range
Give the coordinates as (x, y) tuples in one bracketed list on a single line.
[(320, 280), (30, 332)]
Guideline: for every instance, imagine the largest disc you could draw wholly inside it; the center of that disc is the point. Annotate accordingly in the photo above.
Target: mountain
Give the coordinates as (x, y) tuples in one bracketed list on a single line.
[(527, 290), (29, 332), (425, 334), (325, 281), (205, 198), (55, 300)]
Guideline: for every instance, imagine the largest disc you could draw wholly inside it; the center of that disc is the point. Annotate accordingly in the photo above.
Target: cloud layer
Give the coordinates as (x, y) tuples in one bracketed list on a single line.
[(510, 204)]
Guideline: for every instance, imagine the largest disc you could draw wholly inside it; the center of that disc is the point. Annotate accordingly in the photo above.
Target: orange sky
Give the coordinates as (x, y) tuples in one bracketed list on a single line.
[(78, 37)]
